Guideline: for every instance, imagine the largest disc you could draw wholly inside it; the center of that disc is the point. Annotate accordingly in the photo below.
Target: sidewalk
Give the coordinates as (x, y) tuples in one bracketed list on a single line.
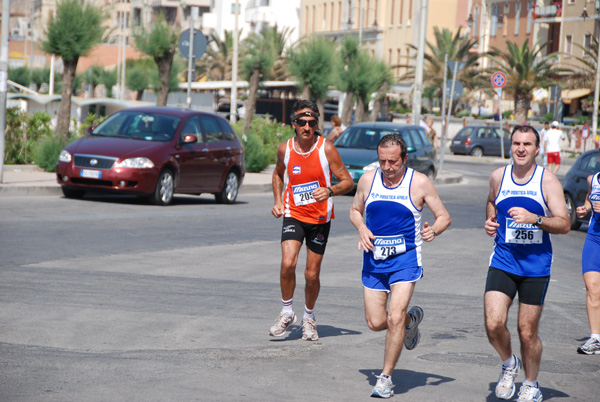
[(29, 180)]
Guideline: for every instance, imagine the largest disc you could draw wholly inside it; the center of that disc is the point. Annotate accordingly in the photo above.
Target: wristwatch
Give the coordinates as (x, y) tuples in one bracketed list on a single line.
[(330, 192), (539, 221)]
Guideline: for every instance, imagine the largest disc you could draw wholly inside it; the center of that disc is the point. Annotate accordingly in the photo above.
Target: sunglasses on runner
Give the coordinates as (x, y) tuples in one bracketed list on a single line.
[(311, 123)]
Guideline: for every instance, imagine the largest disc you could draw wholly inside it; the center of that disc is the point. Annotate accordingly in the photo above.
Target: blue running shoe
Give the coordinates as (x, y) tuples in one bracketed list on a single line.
[(412, 335)]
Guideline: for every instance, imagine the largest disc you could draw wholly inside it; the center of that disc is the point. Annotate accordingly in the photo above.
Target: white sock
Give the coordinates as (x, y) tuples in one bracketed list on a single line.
[(531, 383), (309, 313), (511, 362), (287, 306), (595, 336)]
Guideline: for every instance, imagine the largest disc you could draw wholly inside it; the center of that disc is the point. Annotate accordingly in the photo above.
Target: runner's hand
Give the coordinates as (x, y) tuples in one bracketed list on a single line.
[(491, 226), (427, 233)]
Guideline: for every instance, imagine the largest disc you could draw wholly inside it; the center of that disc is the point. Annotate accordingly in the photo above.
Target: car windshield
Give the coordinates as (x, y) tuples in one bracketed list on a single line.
[(363, 137), (139, 125)]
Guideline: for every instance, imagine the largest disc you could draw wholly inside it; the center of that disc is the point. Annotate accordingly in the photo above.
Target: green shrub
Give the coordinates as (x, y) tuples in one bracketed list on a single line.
[(549, 117), (46, 152), (462, 113), (22, 132), (257, 158), (262, 141), (506, 114)]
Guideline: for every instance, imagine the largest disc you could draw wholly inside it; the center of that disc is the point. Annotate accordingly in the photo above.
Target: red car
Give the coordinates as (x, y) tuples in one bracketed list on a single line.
[(155, 152)]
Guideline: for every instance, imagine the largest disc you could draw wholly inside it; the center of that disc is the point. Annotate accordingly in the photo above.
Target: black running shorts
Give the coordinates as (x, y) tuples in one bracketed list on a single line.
[(316, 235), (532, 290)]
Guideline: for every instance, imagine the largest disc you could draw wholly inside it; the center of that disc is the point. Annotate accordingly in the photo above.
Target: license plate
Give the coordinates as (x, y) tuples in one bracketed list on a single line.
[(91, 174)]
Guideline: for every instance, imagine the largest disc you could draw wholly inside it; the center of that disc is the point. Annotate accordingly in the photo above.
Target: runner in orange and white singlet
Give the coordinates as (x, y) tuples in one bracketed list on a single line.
[(302, 190), (304, 173)]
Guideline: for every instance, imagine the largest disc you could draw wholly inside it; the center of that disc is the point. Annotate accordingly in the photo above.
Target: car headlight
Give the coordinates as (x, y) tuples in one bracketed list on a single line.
[(136, 163), (65, 156), (371, 166)]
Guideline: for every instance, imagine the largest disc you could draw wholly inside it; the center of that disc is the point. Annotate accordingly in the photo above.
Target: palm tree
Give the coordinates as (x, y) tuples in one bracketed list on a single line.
[(278, 40), (584, 73), (216, 62), (256, 62), (347, 71), (311, 63), (458, 48), (383, 80), (72, 33), (160, 43), (525, 70)]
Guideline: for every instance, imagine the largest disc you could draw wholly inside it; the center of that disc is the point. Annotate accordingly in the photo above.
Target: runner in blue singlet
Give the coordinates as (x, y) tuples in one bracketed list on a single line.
[(386, 211), (524, 206)]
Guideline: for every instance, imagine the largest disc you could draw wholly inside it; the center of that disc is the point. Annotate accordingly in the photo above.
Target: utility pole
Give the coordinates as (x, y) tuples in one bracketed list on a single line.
[(191, 58), (51, 81), (3, 79), (234, 67), (418, 88)]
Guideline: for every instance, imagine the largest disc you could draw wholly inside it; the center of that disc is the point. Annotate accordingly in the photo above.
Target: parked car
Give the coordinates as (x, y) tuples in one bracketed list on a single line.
[(357, 146), (575, 185), (155, 152), (480, 140)]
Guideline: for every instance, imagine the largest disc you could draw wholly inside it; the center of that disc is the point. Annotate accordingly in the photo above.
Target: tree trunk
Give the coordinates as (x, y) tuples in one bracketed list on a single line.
[(164, 65), (306, 92), (522, 104), (347, 108), (64, 110), (360, 110), (251, 102), (378, 100), (321, 107)]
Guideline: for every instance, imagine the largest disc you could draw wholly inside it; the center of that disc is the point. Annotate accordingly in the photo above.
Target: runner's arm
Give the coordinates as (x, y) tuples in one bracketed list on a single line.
[(339, 170), (277, 182), (365, 236)]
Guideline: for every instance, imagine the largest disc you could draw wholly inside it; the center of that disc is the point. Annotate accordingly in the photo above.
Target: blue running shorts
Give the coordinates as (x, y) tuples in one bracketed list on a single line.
[(590, 256), (382, 281)]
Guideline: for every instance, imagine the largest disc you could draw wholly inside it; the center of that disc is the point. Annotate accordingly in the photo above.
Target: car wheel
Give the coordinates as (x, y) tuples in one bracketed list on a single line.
[(72, 193), (165, 187), (476, 152), (229, 192), (575, 224)]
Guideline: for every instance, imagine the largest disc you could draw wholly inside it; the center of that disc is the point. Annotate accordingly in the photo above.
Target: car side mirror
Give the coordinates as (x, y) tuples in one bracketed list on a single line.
[(190, 139), (90, 129), (411, 149)]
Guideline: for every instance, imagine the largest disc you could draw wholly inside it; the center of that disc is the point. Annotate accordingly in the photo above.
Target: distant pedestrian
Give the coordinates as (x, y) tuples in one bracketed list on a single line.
[(524, 206), (552, 141), (335, 132)]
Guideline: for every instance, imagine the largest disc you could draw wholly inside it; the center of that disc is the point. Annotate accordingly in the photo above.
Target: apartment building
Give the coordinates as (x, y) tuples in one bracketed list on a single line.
[(385, 28)]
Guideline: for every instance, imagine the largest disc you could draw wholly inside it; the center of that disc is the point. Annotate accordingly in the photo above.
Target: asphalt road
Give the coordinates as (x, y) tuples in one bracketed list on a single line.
[(111, 299)]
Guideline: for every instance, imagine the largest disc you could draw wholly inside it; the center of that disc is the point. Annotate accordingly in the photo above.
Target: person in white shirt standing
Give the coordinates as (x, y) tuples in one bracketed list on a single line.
[(543, 142), (552, 146)]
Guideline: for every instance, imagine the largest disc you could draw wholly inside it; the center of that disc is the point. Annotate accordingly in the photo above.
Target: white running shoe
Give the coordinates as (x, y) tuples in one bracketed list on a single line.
[(383, 387), (505, 388), (527, 393), (412, 336), (590, 347), (283, 321), (309, 330)]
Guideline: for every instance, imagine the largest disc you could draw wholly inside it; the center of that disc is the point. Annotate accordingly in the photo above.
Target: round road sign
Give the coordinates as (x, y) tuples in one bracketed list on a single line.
[(585, 131), (498, 79)]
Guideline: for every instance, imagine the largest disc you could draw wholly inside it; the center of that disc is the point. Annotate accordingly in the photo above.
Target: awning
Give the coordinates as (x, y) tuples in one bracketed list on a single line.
[(568, 95)]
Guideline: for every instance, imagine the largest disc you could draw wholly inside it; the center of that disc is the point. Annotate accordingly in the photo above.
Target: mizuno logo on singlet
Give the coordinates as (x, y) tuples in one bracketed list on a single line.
[(385, 242), (594, 197), (301, 188), (514, 225)]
